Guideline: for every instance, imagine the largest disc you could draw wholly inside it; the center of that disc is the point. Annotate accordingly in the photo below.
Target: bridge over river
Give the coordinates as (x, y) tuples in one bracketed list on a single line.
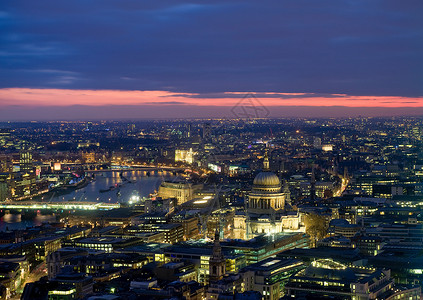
[(72, 205), (136, 168)]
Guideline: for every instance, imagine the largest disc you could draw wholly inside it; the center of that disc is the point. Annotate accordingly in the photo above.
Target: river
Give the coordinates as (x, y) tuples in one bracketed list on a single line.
[(142, 185)]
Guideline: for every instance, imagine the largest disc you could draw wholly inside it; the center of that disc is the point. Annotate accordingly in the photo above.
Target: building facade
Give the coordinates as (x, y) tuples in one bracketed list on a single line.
[(268, 207)]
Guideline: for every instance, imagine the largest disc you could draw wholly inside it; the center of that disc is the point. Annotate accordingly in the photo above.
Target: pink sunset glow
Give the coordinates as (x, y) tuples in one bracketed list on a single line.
[(65, 97)]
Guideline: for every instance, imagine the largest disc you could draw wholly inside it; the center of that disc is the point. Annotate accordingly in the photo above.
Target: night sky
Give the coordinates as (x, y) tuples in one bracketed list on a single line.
[(88, 59)]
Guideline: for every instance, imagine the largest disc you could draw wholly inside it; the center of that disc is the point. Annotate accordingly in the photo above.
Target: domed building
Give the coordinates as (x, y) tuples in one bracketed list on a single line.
[(268, 206), (266, 196)]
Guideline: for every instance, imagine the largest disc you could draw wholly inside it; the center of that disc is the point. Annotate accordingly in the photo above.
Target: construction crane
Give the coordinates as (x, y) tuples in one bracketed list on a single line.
[(214, 204), (52, 196), (80, 198)]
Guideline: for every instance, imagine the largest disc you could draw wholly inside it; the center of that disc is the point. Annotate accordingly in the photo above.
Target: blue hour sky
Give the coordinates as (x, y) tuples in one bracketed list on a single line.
[(197, 58)]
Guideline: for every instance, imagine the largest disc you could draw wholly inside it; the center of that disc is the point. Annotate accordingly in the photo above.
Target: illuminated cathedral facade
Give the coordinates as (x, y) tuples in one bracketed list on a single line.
[(268, 208)]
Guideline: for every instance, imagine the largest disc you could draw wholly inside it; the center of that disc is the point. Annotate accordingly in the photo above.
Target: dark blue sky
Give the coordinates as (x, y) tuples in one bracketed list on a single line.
[(355, 47)]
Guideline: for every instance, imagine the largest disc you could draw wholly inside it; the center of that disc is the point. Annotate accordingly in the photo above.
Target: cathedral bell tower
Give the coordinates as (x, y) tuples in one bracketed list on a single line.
[(266, 164), (217, 263)]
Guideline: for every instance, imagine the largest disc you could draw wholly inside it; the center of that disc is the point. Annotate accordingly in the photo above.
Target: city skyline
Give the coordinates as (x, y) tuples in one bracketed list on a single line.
[(208, 209), (132, 60)]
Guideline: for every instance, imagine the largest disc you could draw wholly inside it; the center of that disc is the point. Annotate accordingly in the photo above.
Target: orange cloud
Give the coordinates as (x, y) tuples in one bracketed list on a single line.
[(67, 97)]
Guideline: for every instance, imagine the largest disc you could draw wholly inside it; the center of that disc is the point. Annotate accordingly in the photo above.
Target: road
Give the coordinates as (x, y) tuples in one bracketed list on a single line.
[(38, 272), (344, 185)]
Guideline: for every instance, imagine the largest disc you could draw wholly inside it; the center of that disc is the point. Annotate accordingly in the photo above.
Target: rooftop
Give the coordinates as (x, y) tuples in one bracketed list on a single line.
[(270, 264)]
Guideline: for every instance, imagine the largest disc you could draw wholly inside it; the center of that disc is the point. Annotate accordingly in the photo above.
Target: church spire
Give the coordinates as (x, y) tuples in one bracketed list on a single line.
[(266, 162), (217, 263), (217, 234), (217, 249)]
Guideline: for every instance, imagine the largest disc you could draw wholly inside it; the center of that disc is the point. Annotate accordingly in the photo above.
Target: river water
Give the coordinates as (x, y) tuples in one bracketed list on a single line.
[(13, 221), (143, 184)]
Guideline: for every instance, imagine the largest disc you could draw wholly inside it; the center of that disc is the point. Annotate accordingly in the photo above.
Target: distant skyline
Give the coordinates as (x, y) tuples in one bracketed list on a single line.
[(128, 59)]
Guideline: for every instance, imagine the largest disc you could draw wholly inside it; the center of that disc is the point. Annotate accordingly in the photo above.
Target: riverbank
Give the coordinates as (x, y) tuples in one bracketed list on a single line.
[(63, 190)]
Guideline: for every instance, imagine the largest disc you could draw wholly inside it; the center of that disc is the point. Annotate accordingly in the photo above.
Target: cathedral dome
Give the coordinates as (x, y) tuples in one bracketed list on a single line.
[(266, 179)]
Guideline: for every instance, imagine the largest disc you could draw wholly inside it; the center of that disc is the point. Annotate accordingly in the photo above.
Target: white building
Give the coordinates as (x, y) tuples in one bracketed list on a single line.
[(267, 207)]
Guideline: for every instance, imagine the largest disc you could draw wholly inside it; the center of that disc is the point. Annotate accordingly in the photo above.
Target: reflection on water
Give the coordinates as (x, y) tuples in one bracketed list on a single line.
[(14, 221), (142, 183), (11, 218)]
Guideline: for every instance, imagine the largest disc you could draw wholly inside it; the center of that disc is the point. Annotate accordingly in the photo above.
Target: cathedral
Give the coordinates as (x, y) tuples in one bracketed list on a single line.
[(268, 208)]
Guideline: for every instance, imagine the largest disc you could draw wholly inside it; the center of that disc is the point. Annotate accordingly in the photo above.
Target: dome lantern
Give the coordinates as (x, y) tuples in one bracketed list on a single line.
[(266, 165)]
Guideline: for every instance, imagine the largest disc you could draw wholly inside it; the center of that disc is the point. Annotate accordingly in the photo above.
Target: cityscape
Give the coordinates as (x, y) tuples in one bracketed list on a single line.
[(211, 150), (212, 209)]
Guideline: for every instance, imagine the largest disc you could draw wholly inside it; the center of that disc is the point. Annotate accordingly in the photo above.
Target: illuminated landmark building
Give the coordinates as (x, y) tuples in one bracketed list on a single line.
[(184, 155), (217, 268), (268, 207), (182, 190), (217, 262)]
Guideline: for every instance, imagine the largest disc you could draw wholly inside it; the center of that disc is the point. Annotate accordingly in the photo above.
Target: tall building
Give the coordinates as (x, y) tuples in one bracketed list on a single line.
[(25, 161), (4, 136), (206, 132), (188, 131)]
